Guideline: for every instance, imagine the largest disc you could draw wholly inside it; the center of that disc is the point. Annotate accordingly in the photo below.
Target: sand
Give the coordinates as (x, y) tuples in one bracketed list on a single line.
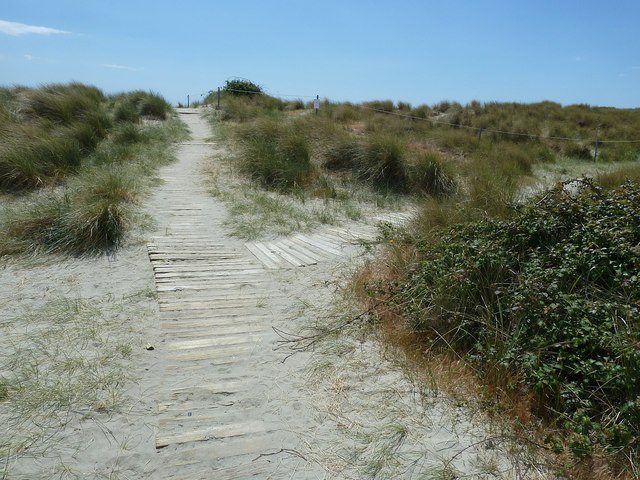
[(178, 340)]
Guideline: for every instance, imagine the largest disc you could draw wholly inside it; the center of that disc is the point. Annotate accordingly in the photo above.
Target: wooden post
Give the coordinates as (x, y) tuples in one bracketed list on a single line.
[(595, 155), (187, 100), (218, 107), (480, 134)]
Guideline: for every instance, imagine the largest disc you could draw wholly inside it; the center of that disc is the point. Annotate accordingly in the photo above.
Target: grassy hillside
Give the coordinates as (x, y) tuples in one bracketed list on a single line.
[(72, 164), (531, 281)]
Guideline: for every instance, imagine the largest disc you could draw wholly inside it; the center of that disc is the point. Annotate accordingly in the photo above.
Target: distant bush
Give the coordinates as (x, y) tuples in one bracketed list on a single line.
[(240, 87)]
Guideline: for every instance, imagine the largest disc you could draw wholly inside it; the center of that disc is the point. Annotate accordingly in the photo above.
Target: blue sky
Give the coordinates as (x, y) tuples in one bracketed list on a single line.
[(568, 51)]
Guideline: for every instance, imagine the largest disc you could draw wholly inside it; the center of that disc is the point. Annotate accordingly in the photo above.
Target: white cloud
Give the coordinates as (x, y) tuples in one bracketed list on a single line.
[(118, 67), (28, 57), (15, 29)]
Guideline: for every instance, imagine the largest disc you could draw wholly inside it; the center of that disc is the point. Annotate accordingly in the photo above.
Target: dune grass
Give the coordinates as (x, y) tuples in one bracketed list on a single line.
[(66, 362), (77, 161)]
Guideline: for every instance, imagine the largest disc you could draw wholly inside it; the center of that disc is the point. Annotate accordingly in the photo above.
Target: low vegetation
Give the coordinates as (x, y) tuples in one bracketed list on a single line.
[(531, 282), (73, 162), (547, 302)]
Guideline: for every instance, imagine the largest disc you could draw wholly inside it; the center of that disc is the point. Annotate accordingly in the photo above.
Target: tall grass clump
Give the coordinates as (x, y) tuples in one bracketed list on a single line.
[(378, 162), (548, 299), (276, 155), (31, 158), (62, 103), (429, 173), (87, 160), (381, 164)]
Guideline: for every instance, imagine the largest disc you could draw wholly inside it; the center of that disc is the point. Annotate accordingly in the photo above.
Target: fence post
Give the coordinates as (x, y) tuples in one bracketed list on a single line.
[(595, 155), (218, 106), (187, 100), (480, 134)]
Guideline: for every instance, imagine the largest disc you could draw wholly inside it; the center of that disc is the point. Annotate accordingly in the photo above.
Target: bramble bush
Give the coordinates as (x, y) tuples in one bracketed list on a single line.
[(551, 294)]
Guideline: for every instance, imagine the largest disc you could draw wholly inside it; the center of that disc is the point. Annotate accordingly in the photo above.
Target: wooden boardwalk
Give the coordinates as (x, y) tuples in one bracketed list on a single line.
[(225, 405), (323, 245)]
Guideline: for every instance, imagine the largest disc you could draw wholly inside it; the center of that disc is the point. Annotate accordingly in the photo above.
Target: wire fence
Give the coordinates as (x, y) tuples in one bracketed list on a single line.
[(436, 121)]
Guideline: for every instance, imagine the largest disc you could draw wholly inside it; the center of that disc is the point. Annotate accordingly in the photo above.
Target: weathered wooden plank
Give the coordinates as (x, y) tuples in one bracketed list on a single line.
[(216, 340), (216, 317), (229, 448), (266, 260), (208, 273), (285, 255), (231, 354), (318, 244), (200, 267), (225, 295), (268, 253), (330, 239), (303, 259), (166, 438), (226, 387), (182, 306), (220, 331), (212, 277), (301, 248)]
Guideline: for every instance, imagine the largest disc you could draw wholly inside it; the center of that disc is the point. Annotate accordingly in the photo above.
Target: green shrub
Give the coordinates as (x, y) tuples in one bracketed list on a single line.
[(511, 155), (241, 87), (345, 113), (56, 225), (422, 111), (551, 295)]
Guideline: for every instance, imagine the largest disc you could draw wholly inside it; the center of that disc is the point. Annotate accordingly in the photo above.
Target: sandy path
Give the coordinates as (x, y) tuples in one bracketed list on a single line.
[(224, 397), (214, 399), (228, 405)]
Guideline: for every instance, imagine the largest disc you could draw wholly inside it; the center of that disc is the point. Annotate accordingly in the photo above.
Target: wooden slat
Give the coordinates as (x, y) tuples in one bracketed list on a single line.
[(212, 432), (301, 248), (283, 254), (266, 260), (214, 341), (295, 253), (318, 244)]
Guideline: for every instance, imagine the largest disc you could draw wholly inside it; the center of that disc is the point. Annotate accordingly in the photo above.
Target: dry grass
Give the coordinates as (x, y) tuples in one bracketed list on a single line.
[(64, 361)]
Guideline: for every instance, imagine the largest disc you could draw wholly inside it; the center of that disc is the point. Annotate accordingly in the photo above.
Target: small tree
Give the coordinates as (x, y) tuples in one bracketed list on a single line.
[(239, 87)]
